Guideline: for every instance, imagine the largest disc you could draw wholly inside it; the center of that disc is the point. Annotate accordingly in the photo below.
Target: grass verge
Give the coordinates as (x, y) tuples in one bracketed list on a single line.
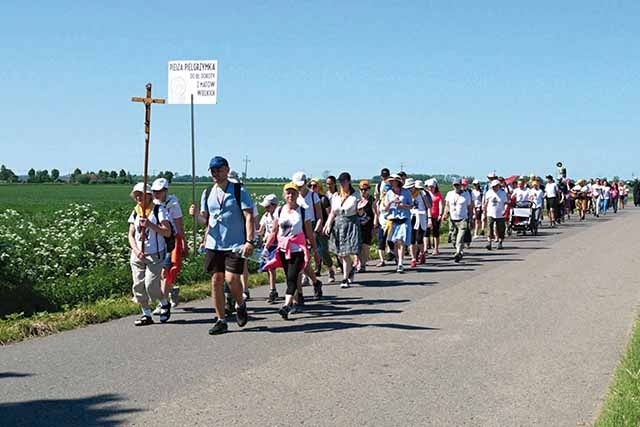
[(16, 327), (622, 406)]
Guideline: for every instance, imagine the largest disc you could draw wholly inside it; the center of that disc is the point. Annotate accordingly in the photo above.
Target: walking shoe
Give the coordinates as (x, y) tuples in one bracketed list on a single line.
[(317, 289), (422, 258), (284, 312), (242, 317), (174, 296), (143, 321), (457, 258), (488, 246), (156, 312), (305, 280), (273, 296), (413, 264), (345, 284), (296, 308), (165, 313), (246, 295), (218, 328), (389, 256), (400, 268), (500, 245), (332, 276)]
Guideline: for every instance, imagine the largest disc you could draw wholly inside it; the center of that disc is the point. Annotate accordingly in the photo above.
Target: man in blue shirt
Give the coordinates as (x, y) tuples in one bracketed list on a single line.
[(227, 209)]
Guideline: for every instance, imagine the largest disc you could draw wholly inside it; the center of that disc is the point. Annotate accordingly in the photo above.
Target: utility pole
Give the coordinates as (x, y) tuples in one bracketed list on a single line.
[(401, 167), (246, 163)]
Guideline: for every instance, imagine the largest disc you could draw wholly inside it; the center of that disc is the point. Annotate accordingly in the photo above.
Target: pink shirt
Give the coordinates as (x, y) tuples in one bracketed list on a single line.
[(435, 208)]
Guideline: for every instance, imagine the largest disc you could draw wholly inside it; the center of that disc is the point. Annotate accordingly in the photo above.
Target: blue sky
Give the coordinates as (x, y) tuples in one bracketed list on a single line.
[(441, 87)]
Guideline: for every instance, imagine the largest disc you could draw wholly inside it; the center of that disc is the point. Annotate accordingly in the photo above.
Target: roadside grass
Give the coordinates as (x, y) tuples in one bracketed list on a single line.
[(622, 406), (16, 327)]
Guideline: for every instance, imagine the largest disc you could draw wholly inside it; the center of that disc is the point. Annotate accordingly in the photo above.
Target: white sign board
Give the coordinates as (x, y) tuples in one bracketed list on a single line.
[(199, 78)]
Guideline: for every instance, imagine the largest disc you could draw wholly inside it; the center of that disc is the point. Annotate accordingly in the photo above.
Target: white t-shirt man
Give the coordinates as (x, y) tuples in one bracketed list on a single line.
[(521, 194), (496, 202), (551, 190), (459, 204)]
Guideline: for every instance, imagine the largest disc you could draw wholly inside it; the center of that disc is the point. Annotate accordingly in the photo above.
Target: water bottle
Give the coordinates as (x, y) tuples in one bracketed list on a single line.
[(255, 256)]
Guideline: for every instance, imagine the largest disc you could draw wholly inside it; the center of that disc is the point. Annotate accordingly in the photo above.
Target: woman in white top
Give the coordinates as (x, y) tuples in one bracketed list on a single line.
[(343, 228), (290, 224), (476, 197), (606, 195), (269, 203), (146, 239)]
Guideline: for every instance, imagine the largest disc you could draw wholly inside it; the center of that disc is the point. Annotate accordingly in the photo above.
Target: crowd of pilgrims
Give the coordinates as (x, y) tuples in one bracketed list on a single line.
[(328, 226)]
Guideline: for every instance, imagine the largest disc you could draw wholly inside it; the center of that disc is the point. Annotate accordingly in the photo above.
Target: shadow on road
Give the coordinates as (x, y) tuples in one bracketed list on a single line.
[(99, 410), (393, 283), (14, 375), (316, 327)]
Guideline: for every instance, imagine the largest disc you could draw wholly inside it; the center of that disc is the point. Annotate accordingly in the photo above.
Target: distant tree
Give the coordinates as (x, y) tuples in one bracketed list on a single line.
[(168, 175), (55, 174), (82, 178), (7, 174), (43, 176), (113, 175), (122, 173), (32, 175)]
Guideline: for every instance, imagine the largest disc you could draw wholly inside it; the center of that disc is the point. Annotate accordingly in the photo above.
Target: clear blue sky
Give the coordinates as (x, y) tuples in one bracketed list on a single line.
[(453, 87)]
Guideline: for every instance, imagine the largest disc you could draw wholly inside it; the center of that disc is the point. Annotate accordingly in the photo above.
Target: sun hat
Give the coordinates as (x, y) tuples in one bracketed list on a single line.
[(492, 174), (475, 181), (494, 183), (409, 183), (419, 184), (160, 184), (431, 182), (290, 186), (269, 199), (139, 188), (395, 177), (299, 178), (217, 162)]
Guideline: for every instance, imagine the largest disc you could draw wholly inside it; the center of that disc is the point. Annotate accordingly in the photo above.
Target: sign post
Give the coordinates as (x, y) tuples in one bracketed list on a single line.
[(193, 82)]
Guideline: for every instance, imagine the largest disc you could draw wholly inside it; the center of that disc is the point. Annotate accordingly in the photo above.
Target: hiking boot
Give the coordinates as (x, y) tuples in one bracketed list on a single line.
[(273, 296), (143, 321), (242, 317), (317, 289), (165, 313), (174, 296), (218, 328), (284, 312)]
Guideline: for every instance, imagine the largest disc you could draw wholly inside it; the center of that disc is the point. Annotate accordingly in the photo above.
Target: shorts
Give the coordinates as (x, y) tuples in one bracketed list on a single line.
[(552, 203), (500, 228), (478, 214), (417, 235), (221, 261), (434, 231), (367, 233)]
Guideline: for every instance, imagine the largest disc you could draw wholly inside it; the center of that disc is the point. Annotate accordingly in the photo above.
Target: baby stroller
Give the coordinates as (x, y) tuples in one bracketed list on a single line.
[(523, 219)]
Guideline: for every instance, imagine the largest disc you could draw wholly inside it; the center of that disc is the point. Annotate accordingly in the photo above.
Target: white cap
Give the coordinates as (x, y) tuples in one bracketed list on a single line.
[(475, 181), (139, 188), (269, 199), (419, 184), (159, 184), (492, 174), (494, 183), (431, 182), (299, 178), (409, 183)]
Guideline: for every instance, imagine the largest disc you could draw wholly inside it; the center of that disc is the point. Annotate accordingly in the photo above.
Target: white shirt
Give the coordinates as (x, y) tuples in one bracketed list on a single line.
[(267, 221), (521, 194), (347, 206), (290, 224), (496, 202), (551, 189), (538, 195), (606, 192), (477, 198), (308, 202), (153, 242), (596, 191), (458, 204)]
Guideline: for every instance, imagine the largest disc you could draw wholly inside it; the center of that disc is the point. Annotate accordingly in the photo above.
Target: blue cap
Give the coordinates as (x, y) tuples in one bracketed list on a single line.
[(218, 162)]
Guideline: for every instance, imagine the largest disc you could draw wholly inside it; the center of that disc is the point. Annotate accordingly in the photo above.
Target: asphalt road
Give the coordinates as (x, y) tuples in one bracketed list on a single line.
[(529, 335)]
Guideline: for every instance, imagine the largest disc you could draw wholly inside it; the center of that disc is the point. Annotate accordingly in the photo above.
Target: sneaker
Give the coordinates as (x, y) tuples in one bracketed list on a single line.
[(332, 276), (400, 268), (174, 296), (305, 280), (345, 284), (242, 317), (218, 328), (317, 289), (457, 258), (488, 247), (284, 312), (422, 258), (156, 312), (273, 296), (165, 313), (143, 321), (413, 264), (246, 295)]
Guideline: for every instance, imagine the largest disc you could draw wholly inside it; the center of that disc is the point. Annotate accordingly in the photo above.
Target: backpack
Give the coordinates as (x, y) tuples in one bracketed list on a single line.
[(169, 242), (236, 193)]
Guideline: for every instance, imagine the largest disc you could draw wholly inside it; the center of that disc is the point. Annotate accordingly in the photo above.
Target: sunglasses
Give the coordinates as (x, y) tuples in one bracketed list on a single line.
[(313, 185), (364, 188)]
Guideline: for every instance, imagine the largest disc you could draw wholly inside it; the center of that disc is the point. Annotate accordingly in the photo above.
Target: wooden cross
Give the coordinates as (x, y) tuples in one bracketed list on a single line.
[(148, 100)]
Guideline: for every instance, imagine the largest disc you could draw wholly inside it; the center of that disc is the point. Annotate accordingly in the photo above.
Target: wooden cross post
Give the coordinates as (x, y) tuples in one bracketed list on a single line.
[(148, 100)]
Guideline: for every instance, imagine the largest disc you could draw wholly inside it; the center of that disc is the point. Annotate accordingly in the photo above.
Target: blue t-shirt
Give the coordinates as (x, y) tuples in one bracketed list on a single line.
[(226, 220)]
